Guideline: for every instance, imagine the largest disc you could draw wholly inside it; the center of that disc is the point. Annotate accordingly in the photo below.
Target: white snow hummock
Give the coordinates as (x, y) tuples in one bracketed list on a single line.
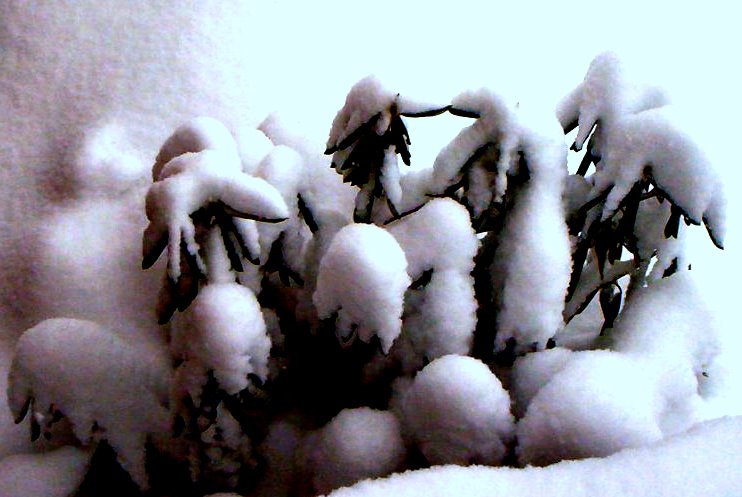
[(58, 473), (356, 444), (704, 461), (457, 412), (222, 331), (99, 382), (363, 277)]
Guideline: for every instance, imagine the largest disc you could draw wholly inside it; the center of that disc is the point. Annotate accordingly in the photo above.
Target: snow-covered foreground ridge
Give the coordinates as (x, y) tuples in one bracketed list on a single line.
[(703, 461)]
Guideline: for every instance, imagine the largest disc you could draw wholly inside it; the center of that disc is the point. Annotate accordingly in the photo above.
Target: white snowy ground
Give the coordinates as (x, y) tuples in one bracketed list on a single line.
[(90, 89)]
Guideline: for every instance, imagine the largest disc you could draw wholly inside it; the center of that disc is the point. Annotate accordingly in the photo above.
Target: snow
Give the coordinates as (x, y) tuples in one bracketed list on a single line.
[(678, 166), (193, 180), (532, 371), (52, 474), (363, 277), (704, 461), (223, 330), (457, 412), (94, 379), (356, 444)]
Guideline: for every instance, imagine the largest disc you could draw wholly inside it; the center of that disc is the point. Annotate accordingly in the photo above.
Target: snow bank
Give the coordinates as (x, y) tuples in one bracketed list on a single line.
[(456, 411), (363, 277), (704, 461), (53, 474), (100, 383), (356, 444)]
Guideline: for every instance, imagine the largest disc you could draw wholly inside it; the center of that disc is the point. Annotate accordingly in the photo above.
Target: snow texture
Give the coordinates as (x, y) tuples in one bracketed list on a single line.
[(363, 277), (457, 412), (96, 380), (356, 444), (222, 331), (677, 467), (52, 474), (532, 371)]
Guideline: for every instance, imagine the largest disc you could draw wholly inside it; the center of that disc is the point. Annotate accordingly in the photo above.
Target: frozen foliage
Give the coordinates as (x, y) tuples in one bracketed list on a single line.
[(457, 412), (703, 461), (363, 277), (222, 331), (95, 380), (52, 474), (356, 444)]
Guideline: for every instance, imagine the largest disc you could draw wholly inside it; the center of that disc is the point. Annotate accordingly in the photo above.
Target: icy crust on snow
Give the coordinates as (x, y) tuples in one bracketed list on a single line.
[(96, 380), (192, 180), (366, 99), (604, 97), (58, 473), (222, 331), (678, 166), (363, 277), (457, 412), (356, 444), (704, 461)]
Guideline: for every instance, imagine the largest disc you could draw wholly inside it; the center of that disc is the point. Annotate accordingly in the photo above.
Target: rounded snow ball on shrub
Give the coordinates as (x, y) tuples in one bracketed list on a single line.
[(363, 277), (356, 444), (457, 412)]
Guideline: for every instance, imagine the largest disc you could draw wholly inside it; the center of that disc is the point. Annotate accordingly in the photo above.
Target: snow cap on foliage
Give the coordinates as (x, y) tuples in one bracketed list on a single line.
[(196, 135), (605, 96), (457, 412), (439, 236), (366, 99), (356, 444), (193, 180), (96, 380), (535, 250), (222, 331), (363, 277), (678, 167)]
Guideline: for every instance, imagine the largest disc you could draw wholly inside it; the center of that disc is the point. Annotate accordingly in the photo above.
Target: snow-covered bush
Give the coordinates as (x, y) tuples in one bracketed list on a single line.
[(313, 342)]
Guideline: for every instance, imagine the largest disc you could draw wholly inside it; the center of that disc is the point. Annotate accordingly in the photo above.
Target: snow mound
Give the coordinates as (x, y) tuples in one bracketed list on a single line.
[(532, 371), (94, 379), (457, 412), (222, 331), (363, 277), (356, 444)]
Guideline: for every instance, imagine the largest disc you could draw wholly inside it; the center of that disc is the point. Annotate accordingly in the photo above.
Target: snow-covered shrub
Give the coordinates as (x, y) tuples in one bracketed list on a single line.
[(320, 342)]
